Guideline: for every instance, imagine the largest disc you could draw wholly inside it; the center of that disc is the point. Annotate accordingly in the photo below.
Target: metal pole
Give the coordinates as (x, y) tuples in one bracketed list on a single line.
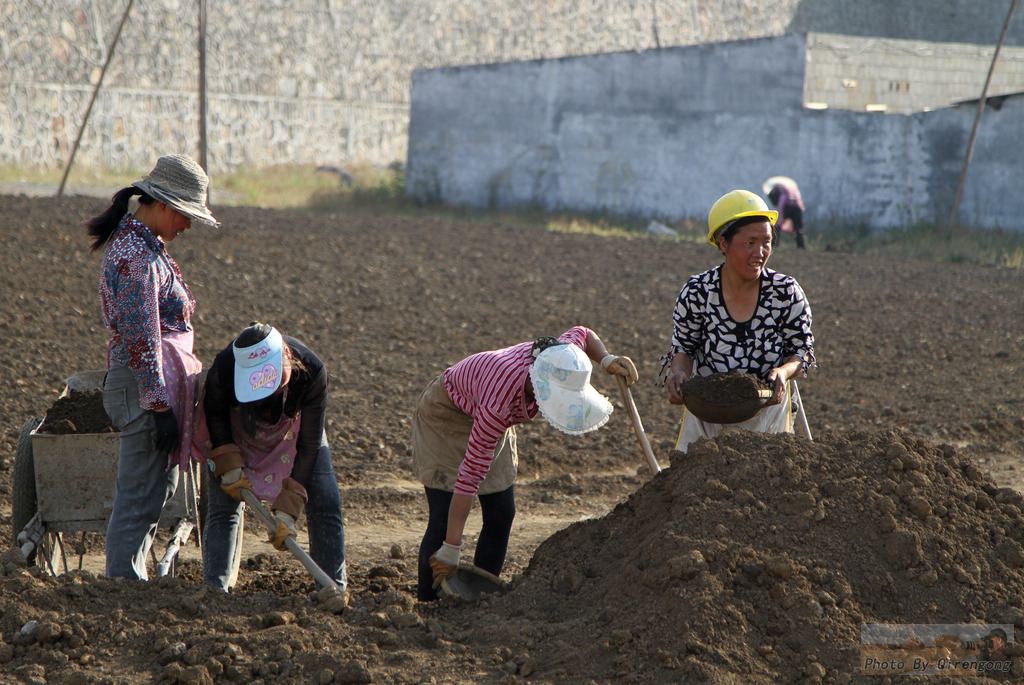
[(291, 543), (95, 91), (953, 216), (202, 88), (654, 23)]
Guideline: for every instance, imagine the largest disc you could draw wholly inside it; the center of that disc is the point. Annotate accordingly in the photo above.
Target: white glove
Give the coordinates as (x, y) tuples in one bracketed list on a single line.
[(620, 366), (233, 481), (231, 476), (445, 562), (449, 554), (285, 530)]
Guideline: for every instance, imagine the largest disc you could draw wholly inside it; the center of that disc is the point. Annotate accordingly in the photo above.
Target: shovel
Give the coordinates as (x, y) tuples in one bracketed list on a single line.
[(638, 427), (289, 542)]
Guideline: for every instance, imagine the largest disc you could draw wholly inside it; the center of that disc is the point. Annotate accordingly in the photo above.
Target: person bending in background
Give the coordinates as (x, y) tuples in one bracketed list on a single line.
[(152, 375), (785, 195), (464, 440), (740, 316), (264, 406)]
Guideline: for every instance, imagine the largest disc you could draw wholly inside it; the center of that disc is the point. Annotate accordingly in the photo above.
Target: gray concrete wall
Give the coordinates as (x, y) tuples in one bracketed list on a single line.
[(611, 131), (664, 133)]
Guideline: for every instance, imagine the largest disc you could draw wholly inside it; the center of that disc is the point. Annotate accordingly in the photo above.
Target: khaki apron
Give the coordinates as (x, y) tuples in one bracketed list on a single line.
[(440, 435)]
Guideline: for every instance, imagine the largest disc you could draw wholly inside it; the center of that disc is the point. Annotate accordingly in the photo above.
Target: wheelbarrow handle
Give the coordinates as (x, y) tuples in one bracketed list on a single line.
[(291, 543), (638, 427)]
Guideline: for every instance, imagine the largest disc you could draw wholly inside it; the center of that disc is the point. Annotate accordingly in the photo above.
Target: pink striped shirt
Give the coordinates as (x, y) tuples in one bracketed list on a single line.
[(488, 386)]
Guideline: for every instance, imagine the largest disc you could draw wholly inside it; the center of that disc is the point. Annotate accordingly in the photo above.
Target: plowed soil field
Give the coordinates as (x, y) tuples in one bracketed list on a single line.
[(753, 559)]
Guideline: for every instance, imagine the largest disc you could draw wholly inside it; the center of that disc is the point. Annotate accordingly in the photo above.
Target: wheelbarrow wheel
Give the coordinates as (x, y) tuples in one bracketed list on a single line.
[(24, 504), (23, 497)]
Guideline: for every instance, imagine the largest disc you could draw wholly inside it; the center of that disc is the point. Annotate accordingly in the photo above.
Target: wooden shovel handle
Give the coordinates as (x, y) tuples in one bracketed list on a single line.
[(638, 427)]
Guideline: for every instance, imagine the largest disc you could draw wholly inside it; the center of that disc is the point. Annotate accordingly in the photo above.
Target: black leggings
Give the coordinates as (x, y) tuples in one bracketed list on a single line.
[(797, 216), (498, 511)]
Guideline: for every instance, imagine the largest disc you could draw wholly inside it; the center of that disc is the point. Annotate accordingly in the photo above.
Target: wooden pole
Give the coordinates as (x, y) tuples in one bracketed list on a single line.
[(954, 215), (638, 426), (202, 88), (95, 91)]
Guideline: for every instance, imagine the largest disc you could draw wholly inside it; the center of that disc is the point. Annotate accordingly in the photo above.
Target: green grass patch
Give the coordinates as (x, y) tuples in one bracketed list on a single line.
[(82, 177), (370, 189), (931, 242)]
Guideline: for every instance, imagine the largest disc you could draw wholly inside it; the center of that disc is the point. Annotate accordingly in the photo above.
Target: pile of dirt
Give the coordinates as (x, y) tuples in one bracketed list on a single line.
[(755, 560), (758, 558), (80, 411)]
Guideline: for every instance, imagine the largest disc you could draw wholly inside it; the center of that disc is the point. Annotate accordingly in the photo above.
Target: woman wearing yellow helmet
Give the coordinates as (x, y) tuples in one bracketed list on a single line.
[(740, 316)]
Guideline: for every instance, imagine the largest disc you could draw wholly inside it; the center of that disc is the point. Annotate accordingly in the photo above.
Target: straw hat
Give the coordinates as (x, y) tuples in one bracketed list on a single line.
[(178, 181)]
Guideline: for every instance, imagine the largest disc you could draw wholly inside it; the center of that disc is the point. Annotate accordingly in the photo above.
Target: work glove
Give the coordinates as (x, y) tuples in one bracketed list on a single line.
[(287, 507), (233, 482), (291, 500), (285, 530), (168, 435), (445, 562), (227, 465), (620, 366)]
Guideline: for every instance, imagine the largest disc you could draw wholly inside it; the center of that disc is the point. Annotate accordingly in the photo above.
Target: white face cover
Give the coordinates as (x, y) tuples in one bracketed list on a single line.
[(561, 385)]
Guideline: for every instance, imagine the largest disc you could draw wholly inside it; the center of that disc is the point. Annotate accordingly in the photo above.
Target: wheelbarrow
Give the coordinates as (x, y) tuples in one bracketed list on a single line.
[(65, 484)]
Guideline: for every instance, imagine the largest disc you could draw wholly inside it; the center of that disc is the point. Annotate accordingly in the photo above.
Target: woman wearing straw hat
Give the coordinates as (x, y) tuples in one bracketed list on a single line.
[(740, 316), (151, 379), (464, 441)]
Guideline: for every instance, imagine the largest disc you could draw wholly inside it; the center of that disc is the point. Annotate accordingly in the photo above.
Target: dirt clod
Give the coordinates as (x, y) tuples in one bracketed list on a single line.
[(725, 389), (80, 411)]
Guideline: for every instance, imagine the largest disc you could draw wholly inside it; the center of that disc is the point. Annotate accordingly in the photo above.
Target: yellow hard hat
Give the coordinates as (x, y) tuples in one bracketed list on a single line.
[(734, 205)]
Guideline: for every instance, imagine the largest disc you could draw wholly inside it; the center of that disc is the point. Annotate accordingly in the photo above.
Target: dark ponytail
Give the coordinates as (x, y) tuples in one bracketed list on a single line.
[(541, 344), (102, 227)]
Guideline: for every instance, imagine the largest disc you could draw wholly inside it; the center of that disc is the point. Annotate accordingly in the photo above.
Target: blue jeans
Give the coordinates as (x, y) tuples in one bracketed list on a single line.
[(221, 539), (143, 482), (497, 510)]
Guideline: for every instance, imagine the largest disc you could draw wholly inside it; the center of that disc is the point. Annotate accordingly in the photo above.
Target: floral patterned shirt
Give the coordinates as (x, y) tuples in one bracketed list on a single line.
[(142, 293)]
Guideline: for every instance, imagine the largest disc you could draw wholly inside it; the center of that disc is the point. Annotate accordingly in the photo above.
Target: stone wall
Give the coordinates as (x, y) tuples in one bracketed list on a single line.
[(328, 81), (300, 81)]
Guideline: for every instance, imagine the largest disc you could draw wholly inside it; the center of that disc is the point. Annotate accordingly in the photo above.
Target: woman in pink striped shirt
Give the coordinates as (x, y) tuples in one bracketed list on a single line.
[(464, 441)]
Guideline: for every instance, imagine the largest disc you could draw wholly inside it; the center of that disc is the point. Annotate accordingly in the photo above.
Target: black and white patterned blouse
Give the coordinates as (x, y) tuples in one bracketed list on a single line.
[(704, 331)]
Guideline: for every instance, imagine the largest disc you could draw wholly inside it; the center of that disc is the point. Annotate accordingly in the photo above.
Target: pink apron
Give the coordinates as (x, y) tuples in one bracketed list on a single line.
[(181, 371), (269, 455)]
